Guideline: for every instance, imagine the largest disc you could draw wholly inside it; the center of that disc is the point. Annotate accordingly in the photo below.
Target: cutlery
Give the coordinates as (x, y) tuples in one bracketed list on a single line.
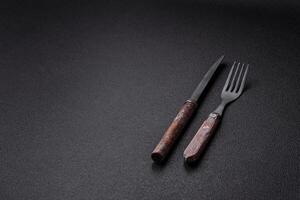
[(181, 120), (231, 91)]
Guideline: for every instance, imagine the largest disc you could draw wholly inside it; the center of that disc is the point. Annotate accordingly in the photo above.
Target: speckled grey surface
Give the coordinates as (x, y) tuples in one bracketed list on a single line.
[(87, 89)]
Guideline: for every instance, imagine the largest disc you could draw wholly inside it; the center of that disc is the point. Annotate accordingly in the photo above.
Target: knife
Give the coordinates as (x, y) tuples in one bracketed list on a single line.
[(181, 120)]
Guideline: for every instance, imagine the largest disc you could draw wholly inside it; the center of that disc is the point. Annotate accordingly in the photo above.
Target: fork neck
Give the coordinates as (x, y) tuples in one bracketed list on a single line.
[(221, 108)]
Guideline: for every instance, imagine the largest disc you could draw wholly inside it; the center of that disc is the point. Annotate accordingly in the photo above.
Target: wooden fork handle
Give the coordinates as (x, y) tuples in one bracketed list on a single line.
[(174, 131), (201, 138)]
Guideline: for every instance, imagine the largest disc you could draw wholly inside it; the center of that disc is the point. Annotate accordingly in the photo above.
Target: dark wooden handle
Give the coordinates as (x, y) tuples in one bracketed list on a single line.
[(198, 143), (174, 131)]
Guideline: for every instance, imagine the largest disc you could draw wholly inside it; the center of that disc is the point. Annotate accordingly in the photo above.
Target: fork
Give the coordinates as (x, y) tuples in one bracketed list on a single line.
[(231, 91)]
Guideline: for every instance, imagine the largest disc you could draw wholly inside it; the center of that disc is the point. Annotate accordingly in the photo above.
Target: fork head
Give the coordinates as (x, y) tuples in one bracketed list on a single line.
[(235, 82)]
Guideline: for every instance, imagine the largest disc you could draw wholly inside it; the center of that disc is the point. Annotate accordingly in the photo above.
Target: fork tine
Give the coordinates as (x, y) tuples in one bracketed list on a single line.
[(238, 80), (233, 79), (243, 81), (228, 78)]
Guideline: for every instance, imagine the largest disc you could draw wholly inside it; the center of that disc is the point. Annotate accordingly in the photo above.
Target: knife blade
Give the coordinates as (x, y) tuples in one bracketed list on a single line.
[(184, 115)]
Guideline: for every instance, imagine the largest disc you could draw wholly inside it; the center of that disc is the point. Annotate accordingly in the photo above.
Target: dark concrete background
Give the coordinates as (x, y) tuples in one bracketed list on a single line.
[(87, 89)]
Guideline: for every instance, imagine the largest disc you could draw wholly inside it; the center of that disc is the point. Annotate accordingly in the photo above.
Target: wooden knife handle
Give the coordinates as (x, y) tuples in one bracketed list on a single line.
[(201, 138), (174, 131)]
